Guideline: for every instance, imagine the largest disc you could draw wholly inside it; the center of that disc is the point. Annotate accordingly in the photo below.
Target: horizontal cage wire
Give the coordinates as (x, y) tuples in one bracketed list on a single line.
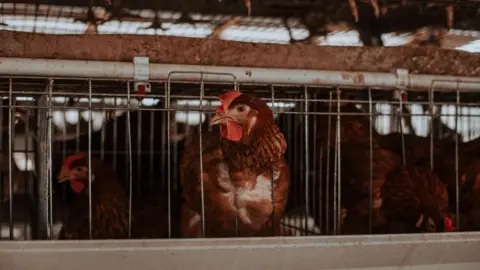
[(85, 158)]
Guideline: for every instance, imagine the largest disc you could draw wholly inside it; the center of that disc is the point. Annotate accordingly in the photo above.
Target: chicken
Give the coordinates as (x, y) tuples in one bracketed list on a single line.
[(354, 125), (469, 197), (471, 220), (237, 167), (110, 205), (417, 153), (109, 200), (148, 142), (414, 200), (355, 134), (355, 184)]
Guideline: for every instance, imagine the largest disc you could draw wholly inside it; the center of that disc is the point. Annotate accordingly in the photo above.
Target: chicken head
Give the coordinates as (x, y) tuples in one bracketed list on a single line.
[(238, 115), (75, 170)]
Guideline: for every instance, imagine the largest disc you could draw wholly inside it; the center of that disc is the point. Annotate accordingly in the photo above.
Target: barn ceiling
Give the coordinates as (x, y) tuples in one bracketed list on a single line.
[(449, 24)]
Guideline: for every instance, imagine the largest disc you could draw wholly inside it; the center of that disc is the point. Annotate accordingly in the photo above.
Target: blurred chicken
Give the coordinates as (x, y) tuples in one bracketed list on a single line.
[(469, 197), (354, 124), (355, 136), (470, 221), (418, 153), (150, 215), (149, 151), (355, 132), (357, 165), (109, 200), (237, 169), (414, 200)]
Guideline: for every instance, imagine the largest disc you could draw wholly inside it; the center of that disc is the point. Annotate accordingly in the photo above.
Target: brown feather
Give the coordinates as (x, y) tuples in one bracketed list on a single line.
[(410, 192), (109, 208), (258, 153)]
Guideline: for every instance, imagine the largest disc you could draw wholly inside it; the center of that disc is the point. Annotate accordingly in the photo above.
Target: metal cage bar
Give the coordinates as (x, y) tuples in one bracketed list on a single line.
[(385, 252)]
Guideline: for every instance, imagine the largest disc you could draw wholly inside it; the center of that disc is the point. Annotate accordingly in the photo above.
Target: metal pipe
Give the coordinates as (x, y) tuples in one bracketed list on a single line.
[(42, 165), (125, 70)]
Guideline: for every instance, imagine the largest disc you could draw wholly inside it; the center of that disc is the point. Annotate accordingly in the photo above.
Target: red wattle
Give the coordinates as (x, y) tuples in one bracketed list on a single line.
[(232, 131), (76, 186)]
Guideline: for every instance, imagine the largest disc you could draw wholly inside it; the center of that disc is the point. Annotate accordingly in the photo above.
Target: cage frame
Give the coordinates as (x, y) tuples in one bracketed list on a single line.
[(422, 251)]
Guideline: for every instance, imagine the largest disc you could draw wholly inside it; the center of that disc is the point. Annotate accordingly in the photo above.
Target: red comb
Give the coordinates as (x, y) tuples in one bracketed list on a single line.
[(68, 161), (448, 224), (227, 98)]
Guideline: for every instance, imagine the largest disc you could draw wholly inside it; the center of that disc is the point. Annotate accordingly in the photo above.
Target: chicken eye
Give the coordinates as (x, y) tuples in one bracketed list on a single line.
[(242, 109), (79, 169)]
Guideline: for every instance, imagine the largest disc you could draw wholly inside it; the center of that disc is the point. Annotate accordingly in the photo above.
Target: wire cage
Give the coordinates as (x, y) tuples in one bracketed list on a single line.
[(346, 134)]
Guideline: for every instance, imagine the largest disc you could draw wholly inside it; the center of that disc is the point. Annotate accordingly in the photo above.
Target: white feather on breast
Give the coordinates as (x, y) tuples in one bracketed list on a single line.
[(245, 194)]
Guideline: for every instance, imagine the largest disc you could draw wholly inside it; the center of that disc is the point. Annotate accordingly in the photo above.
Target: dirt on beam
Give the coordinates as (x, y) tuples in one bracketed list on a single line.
[(196, 51)]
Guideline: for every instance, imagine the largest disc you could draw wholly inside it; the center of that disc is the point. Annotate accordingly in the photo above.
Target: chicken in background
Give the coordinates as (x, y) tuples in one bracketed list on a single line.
[(469, 197), (418, 153), (355, 136), (357, 165), (149, 157), (414, 201), (354, 124), (109, 200), (110, 205), (237, 169), (322, 136)]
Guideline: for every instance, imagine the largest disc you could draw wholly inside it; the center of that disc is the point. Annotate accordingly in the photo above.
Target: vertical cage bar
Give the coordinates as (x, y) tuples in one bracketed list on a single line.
[(50, 158), (297, 195), (10, 154), (370, 133), (335, 173), (115, 137), (139, 152), (169, 176), (272, 97), (457, 184), (165, 119), (90, 229), (152, 147), (327, 183), (129, 153), (26, 175), (202, 190), (339, 165), (307, 201), (102, 136), (430, 106), (402, 131), (42, 158), (77, 131)]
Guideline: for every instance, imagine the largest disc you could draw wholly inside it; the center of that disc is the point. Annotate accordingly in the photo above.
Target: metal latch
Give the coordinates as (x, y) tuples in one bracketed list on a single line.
[(403, 78), (141, 76)]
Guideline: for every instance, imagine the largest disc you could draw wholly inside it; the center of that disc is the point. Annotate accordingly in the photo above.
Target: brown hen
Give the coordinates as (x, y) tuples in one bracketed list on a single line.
[(414, 200), (109, 200), (150, 215), (418, 153), (357, 164), (237, 168), (355, 135)]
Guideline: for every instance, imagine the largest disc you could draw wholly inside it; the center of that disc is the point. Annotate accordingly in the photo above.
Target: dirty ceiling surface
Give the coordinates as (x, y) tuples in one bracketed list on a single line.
[(293, 20)]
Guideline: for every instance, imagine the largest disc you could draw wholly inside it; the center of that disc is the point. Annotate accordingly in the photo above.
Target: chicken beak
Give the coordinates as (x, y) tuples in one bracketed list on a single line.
[(219, 118), (63, 176)]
